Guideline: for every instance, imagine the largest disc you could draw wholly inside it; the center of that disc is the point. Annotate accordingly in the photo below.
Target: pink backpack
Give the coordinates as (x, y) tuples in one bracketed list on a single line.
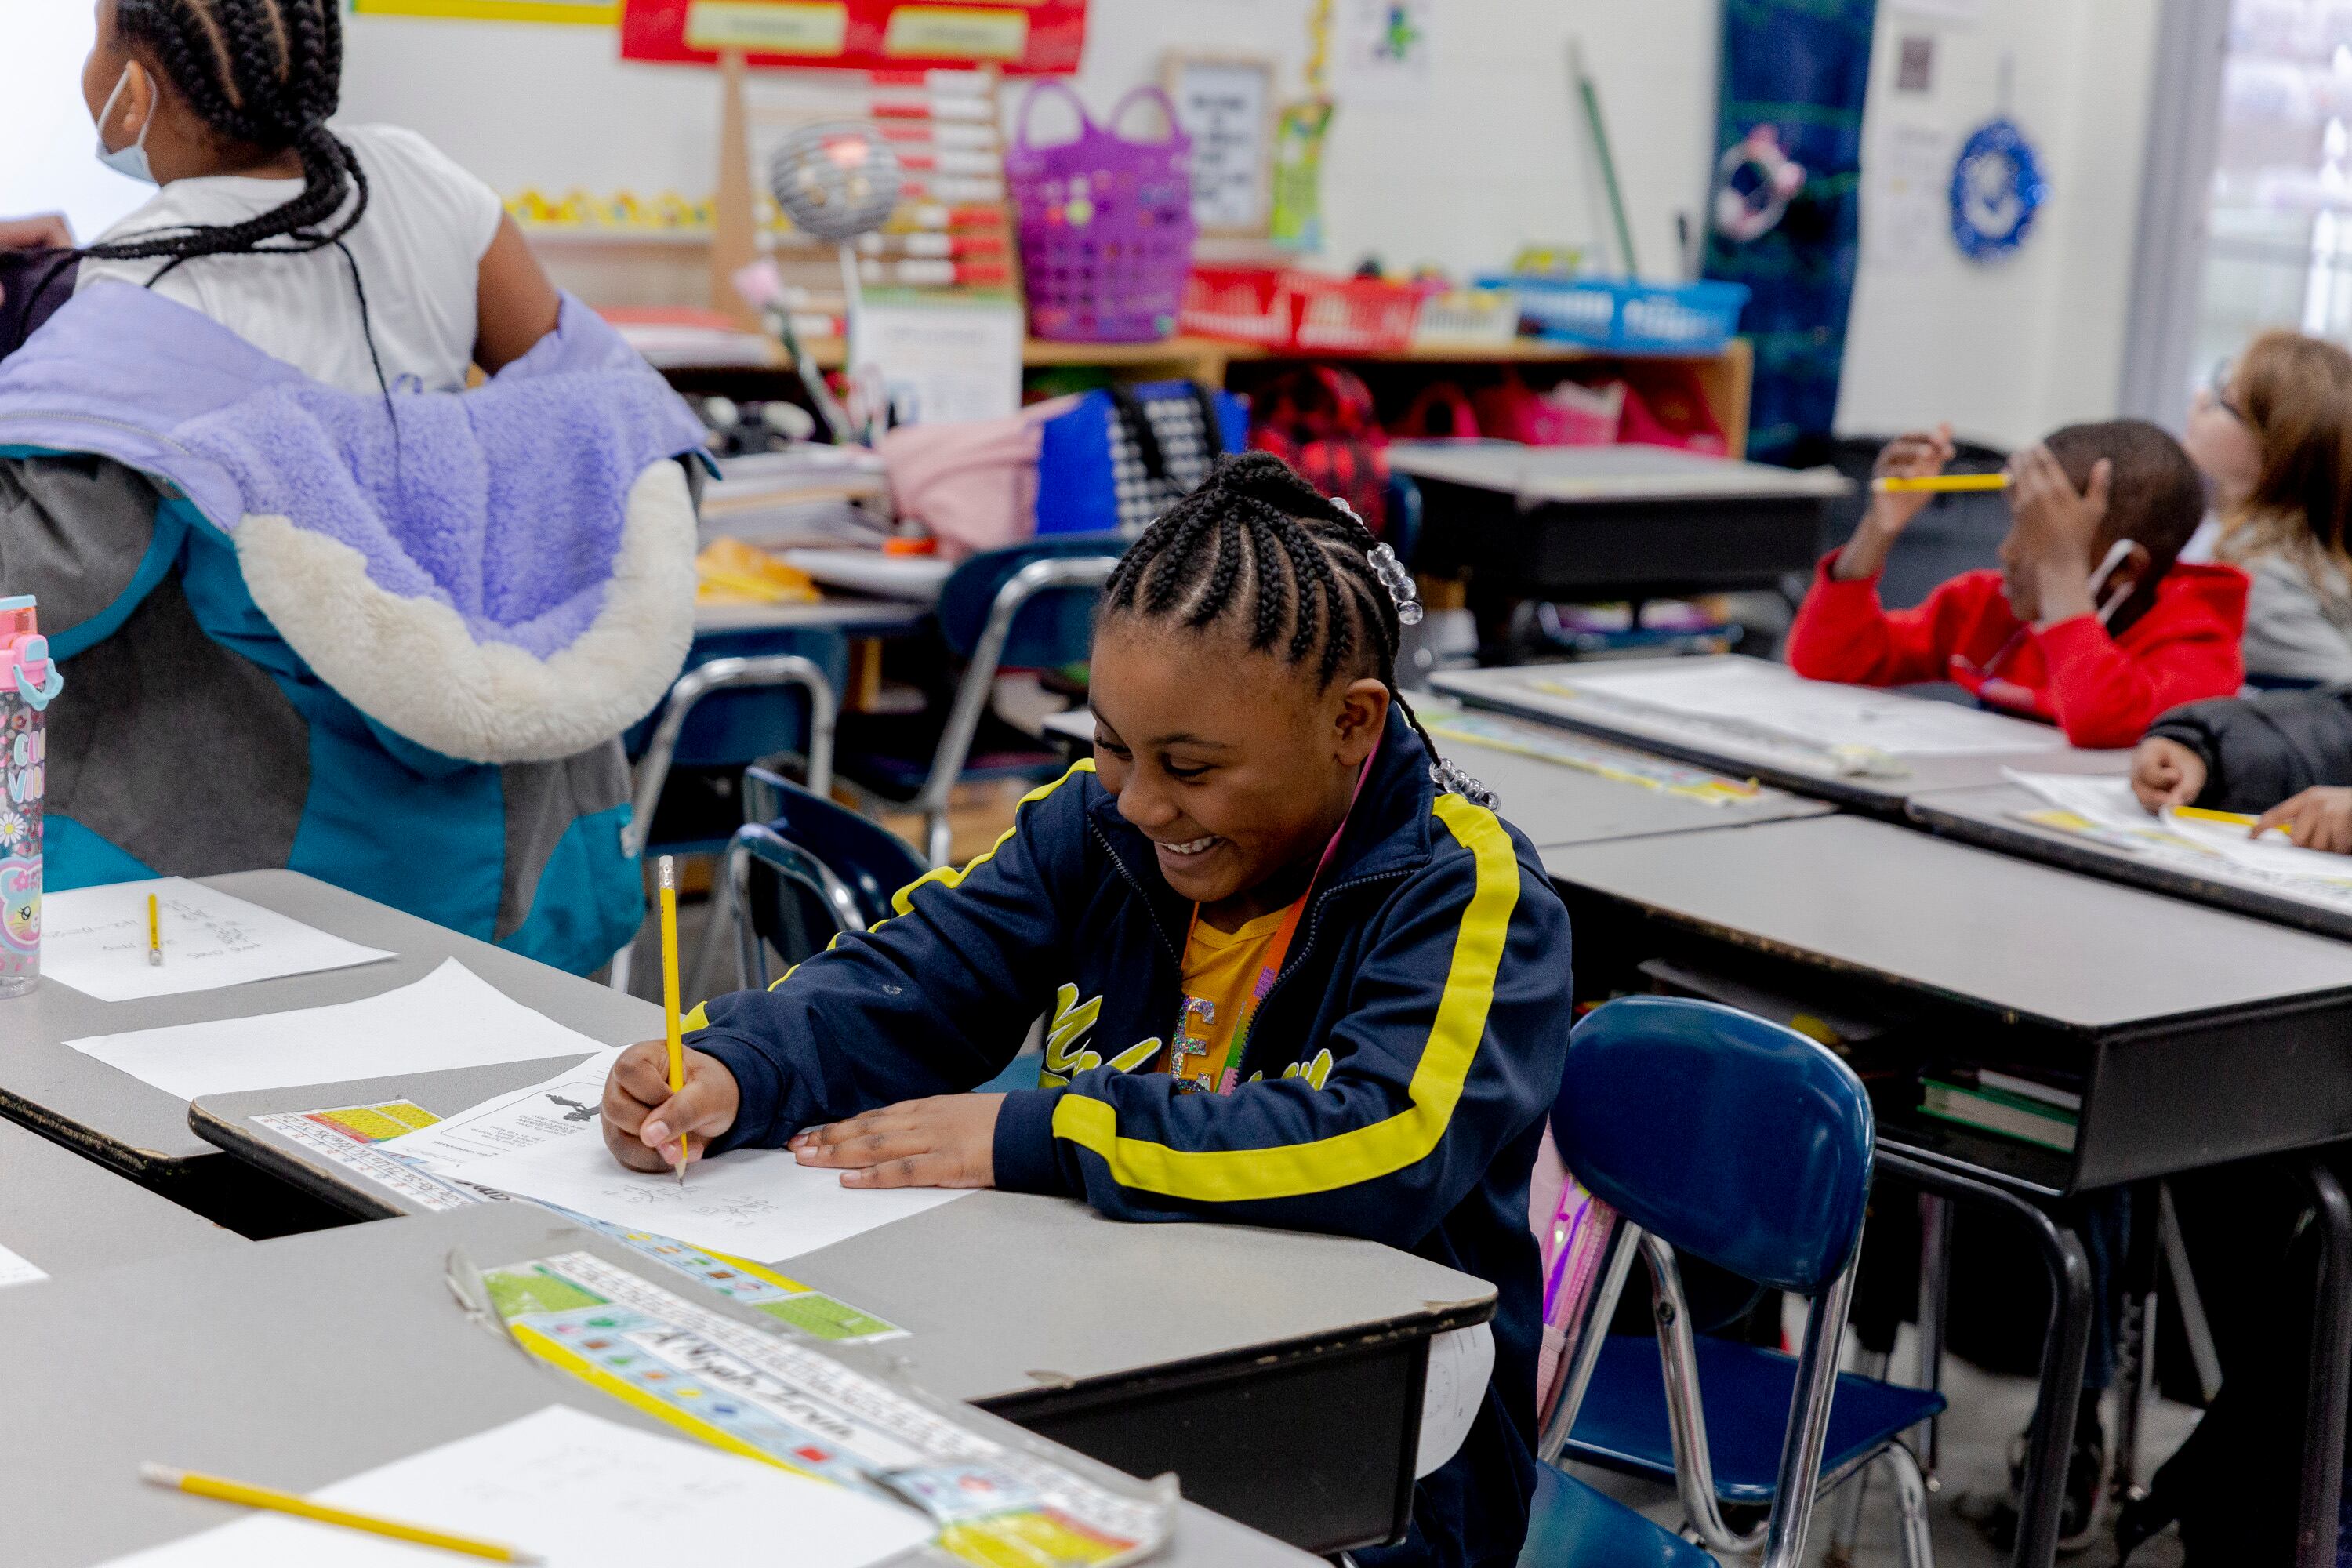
[(972, 482)]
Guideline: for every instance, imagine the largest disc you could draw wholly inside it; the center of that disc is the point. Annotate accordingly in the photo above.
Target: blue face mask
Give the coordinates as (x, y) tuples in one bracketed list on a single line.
[(132, 160)]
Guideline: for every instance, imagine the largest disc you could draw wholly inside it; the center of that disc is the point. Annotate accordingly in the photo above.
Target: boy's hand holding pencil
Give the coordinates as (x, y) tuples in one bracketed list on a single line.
[(1920, 455)]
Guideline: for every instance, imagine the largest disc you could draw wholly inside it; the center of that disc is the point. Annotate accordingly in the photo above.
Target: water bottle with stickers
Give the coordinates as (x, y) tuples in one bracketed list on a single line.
[(29, 680)]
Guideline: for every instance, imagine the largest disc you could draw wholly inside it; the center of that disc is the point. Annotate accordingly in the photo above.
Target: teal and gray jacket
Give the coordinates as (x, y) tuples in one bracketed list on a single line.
[(387, 641)]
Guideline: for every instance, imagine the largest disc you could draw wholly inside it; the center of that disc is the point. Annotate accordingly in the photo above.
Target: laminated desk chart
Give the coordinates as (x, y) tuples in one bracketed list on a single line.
[(405, 1149), (998, 1497)]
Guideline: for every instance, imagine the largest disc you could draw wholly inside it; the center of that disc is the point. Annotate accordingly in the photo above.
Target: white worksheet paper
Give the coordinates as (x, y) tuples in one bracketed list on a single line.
[(95, 939), (566, 1105), (451, 1018), (1822, 713), (581, 1492), (15, 1269), (2271, 860), (759, 1204)]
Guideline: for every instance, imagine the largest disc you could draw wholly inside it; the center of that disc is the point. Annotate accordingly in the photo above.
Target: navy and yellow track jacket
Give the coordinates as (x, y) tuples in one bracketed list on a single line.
[(1395, 1084)]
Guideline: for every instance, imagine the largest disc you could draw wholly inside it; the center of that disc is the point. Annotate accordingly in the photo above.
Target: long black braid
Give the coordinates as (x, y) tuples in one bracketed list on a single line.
[(263, 75), (1256, 541)]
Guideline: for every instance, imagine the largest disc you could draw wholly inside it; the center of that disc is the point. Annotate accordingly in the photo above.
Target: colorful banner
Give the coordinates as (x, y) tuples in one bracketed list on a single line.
[(589, 13), (1020, 37)]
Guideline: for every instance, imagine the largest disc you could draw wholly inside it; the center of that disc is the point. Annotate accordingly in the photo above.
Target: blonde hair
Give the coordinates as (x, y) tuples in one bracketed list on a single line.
[(2296, 397)]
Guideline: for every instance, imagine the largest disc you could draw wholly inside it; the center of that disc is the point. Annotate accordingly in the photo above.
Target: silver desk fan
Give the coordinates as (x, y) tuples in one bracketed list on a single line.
[(839, 180)]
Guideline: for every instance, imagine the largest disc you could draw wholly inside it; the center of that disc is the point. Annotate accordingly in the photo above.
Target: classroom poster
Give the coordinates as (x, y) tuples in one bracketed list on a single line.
[(589, 13), (1020, 37), (1381, 52), (1225, 104)]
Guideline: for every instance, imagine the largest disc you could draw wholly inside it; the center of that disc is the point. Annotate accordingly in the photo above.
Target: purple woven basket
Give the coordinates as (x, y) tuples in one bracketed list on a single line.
[(1106, 224)]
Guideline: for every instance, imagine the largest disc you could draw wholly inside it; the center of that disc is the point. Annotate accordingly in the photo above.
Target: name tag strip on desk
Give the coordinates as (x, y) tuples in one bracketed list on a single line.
[(1591, 757), (766, 1395), (343, 1136)]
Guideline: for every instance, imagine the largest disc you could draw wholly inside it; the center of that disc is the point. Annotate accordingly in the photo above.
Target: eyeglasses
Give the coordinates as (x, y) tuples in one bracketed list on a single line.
[(2219, 390)]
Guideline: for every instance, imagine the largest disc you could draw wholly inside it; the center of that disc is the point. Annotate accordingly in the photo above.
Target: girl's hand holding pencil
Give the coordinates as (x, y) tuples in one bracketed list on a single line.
[(643, 1120)]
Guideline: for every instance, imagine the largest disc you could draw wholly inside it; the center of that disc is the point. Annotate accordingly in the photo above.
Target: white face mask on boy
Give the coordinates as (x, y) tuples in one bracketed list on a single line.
[(132, 160)]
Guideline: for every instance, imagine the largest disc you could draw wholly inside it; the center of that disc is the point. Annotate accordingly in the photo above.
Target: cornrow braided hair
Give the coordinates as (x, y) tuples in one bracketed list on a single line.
[(1257, 544), (263, 74)]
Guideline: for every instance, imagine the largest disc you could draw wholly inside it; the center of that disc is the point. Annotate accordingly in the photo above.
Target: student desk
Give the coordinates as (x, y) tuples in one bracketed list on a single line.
[(1564, 522), (1514, 690), (139, 1130), (1304, 1353), (1988, 817), (295, 1363), (2200, 1037), (67, 1217), (1552, 801)]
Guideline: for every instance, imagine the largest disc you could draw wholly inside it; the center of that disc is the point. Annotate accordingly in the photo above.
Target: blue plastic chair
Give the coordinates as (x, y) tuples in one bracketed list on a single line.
[(1704, 1130), (1028, 606), (809, 868)]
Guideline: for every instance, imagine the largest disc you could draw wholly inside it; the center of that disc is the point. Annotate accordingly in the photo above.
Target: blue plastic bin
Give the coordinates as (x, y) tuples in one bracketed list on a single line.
[(1634, 318)]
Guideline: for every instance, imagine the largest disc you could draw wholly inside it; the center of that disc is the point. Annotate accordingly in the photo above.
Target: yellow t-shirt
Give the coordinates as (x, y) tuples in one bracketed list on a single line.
[(1221, 969)]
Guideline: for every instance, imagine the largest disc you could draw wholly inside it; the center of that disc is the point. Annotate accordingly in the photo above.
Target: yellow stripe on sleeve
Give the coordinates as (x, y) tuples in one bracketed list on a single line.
[(1362, 1153)]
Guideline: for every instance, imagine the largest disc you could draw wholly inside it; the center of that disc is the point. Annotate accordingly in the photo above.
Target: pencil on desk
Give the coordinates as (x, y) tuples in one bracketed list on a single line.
[(155, 933), (669, 993), (2226, 818), (303, 1508), (1938, 484)]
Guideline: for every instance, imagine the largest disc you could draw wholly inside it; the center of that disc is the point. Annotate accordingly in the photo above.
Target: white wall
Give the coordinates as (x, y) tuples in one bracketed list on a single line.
[(1493, 160), (47, 161), (2009, 351)]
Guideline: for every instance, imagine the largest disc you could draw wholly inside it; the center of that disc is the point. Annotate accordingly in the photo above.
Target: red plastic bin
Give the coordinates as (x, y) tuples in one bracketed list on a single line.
[(1300, 311)]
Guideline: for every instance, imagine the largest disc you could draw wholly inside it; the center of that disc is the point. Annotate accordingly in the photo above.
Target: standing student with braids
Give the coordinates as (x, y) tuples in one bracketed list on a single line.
[(361, 256), (1296, 972)]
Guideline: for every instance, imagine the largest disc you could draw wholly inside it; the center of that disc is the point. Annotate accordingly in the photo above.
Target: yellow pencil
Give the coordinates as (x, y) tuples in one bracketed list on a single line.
[(2226, 818), (1938, 484), (669, 993), (303, 1508), (155, 933)]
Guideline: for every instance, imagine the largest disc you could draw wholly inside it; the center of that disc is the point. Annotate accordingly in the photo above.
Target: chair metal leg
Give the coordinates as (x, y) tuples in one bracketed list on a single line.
[(937, 837), (623, 967), (1917, 1547), (1935, 1296), (1847, 1533), (1856, 1491), (2331, 1365), (2135, 1347), (2186, 1297), (2065, 1346)]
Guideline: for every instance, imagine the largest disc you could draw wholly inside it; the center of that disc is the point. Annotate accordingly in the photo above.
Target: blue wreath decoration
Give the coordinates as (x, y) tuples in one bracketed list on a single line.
[(1997, 189)]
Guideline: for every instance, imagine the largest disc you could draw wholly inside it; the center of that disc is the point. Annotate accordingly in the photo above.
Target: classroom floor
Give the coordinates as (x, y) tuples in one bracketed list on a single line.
[(1987, 1412)]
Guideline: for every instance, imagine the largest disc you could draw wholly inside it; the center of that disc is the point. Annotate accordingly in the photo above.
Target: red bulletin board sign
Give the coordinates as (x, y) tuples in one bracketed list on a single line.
[(1020, 37)]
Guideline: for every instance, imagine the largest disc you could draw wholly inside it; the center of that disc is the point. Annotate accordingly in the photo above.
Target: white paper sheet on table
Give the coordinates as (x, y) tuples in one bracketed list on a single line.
[(95, 939), (451, 1018), (17, 1270), (582, 1492), (565, 1105), (1821, 712), (2270, 862), (759, 1204)]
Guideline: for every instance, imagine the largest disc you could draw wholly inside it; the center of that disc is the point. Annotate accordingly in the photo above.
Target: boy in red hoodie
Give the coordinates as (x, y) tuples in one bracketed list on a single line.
[(2091, 622)]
